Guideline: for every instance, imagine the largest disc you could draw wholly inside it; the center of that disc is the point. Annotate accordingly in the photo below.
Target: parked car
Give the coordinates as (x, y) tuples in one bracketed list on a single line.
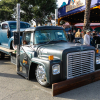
[(6, 34)]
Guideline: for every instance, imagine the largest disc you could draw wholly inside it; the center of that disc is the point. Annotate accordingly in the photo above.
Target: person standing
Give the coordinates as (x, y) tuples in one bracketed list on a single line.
[(87, 38), (78, 34), (73, 35), (70, 37), (74, 32)]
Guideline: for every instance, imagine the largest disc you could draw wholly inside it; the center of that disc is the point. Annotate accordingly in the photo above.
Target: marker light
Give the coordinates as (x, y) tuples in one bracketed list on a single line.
[(97, 51), (50, 57)]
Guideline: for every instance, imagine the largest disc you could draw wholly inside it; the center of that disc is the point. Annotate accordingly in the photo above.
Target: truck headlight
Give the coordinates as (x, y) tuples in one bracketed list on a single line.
[(56, 69), (97, 60)]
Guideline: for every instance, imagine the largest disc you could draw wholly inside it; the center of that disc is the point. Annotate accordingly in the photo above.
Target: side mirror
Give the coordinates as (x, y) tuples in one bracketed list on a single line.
[(98, 46)]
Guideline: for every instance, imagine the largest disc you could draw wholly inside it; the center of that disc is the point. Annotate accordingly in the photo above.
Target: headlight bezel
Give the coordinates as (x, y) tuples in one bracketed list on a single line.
[(56, 69), (98, 60)]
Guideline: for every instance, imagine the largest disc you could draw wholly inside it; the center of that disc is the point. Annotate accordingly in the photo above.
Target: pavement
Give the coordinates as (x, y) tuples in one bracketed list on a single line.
[(15, 87)]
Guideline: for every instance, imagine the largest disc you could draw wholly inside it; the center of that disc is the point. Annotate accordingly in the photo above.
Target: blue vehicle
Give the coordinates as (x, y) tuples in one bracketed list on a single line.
[(6, 33)]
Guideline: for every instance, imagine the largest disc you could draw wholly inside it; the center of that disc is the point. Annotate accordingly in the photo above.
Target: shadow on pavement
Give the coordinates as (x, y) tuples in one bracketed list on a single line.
[(7, 57), (10, 75)]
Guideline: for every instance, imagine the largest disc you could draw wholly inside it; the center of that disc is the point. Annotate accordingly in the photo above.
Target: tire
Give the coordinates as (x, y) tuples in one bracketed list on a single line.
[(2, 55), (8, 33), (41, 76)]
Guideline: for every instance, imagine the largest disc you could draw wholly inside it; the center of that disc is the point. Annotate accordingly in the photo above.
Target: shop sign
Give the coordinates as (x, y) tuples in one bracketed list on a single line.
[(75, 4)]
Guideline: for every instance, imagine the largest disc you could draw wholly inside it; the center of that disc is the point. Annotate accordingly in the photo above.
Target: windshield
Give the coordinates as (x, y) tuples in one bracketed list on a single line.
[(22, 25), (45, 36)]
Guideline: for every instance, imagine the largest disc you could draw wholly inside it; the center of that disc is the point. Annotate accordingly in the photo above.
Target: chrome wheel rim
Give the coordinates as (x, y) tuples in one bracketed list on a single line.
[(41, 75), (14, 46)]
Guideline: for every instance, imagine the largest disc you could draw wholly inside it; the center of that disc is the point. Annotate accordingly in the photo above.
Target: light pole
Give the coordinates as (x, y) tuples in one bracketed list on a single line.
[(18, 32)]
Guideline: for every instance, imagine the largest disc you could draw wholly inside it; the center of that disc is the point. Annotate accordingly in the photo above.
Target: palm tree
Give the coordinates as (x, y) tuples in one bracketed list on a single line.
[(87, 16)]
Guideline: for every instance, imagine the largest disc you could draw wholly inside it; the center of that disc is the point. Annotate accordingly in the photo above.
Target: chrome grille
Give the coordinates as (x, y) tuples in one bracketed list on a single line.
[(80, 63)]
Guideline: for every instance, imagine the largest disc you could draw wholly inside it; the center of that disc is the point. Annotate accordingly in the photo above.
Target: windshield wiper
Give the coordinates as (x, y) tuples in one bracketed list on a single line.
[(42, 42), (62, 40), (56, 41), (51, 41)]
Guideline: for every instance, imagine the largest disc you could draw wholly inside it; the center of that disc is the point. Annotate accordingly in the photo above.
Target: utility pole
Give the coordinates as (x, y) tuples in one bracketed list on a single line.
[(18, 32)]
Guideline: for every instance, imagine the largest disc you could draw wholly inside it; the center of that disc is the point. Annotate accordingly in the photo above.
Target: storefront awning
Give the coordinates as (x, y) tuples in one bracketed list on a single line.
[(73, 12)]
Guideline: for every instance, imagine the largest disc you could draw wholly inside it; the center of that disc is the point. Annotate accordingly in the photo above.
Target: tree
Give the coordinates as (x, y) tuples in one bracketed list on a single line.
[(37, 10), (6, 10), (30, 9), (87, 17)]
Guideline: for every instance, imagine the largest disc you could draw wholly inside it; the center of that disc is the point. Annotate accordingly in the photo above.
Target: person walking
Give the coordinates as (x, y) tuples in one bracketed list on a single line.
[(87, 38)]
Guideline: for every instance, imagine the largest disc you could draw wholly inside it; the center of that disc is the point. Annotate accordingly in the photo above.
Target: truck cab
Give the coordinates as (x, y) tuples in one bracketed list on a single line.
[(46, 54), (6, 34)]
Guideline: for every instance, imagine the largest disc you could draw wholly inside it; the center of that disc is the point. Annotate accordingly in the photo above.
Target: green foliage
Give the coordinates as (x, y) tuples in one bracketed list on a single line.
[(37, 10), (6, 9)]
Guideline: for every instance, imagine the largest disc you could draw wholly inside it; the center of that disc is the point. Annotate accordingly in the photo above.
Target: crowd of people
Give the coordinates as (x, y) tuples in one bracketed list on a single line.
[(90, 38)]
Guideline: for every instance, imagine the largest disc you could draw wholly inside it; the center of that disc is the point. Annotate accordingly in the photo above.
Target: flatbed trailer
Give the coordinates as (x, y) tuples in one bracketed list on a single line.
[(9, 52), (6, 51)]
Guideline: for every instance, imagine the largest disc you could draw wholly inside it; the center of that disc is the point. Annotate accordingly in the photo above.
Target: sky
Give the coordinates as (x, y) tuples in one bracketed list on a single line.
[(61, 1)]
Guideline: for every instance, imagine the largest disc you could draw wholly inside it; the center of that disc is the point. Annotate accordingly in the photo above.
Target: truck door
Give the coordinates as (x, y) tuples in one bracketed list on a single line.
[(24, 61), (25, 53), (3, 34)]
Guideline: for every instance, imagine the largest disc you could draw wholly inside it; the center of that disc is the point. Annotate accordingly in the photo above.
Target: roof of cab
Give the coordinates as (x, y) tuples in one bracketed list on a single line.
[(44, 28), (13, 22)]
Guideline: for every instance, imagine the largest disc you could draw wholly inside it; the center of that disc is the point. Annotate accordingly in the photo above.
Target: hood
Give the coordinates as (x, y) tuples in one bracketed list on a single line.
[(21, 30), (58, 49)]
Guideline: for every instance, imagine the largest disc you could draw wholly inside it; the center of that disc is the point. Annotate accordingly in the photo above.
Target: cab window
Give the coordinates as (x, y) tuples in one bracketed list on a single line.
[(4, 26), (27, 39)]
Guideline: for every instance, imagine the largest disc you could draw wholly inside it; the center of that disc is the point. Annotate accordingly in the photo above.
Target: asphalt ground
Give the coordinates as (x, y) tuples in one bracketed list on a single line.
[(15, 87)]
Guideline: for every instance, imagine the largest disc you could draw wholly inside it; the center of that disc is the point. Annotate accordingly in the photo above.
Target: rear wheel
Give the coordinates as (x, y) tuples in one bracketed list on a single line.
[(41, 76), (2, 55)]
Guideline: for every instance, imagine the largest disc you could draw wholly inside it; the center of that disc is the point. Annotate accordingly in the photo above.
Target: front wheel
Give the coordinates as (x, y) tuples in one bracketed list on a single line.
[(14, 47), (41, 76)]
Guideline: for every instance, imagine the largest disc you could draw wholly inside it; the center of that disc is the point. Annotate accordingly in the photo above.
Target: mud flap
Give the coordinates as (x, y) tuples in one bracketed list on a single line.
[(13, 59)]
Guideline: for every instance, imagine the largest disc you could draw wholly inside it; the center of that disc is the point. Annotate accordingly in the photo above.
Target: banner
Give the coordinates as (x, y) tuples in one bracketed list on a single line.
[(75, 4)]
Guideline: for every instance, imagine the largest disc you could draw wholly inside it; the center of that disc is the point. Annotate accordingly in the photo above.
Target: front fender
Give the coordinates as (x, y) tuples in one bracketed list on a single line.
[(47, 64), (11, 39)]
